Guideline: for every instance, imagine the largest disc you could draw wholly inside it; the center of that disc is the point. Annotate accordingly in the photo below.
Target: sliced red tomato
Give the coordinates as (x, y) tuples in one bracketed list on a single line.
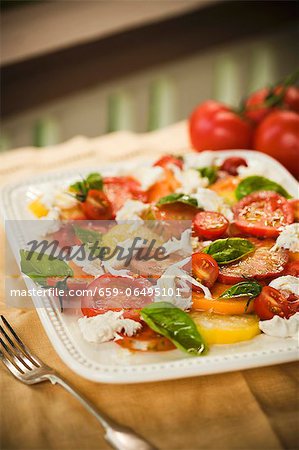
[(146, 340), (175, 211), (169, 159), (152, 268), (167, 185), (272, 303), (231, 164), (117, 293), (292, 268), (121, 189), (204, 269), (262, 263), (209, 224), (263, 213), (294, 202), (97, 206), (66, 236)]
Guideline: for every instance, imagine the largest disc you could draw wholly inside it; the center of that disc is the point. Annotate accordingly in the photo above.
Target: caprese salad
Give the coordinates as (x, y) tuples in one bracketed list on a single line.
[(230, 275)]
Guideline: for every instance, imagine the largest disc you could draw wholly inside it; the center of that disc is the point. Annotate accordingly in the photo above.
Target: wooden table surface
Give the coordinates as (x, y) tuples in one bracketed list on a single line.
[(252, 409)]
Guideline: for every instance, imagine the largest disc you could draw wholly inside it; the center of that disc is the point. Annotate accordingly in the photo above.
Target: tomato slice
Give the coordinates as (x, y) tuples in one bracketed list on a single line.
[(167, 185), (97, 206), (221, 306), (292, 268), (272, 303), (146, 340), (121, 189), (117, 293), (204, 269), (294, 202), (169, 159), (66, 236), (175, 211), (74, 213), (231, 164), (262, 263), (263, 213), (209, 224)]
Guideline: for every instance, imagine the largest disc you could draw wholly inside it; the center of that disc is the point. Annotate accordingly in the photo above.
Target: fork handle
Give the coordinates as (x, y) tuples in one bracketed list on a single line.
[(119, 437)]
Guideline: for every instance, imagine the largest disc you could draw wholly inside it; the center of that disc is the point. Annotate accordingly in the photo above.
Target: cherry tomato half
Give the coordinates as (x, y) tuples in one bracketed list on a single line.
[(209, 224), (97, 206), (263, 213), (294, 202), (230, 165), (272, 303), (213, 126), (204, 269), (278, 136), (169, 159)]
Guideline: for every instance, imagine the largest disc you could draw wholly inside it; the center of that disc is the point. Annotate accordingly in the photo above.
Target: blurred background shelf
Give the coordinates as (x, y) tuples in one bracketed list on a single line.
[(89, 68)]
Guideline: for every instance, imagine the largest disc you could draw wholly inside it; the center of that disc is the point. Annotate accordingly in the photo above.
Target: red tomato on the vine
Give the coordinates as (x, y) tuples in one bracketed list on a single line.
[(213, 126), (278, 136)]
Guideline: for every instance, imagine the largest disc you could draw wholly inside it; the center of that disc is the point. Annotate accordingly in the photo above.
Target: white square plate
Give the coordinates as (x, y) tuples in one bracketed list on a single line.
[(110, 363)]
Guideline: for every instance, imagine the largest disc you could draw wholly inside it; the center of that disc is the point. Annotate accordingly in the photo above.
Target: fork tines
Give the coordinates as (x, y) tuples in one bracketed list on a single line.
[(13, 352)]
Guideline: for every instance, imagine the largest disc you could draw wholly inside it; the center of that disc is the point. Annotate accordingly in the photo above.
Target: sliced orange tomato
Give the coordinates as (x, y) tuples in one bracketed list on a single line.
[(221, 305), (226, 187), (38, 208), (167, 185)]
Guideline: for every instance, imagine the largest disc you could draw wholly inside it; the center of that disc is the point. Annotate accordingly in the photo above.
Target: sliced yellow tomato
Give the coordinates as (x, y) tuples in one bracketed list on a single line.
[(38, 208), (226, 188), (217, 329), (122, 232)]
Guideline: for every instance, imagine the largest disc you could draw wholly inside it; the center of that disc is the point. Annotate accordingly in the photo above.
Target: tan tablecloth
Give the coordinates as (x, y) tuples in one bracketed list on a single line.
[(253, 409)]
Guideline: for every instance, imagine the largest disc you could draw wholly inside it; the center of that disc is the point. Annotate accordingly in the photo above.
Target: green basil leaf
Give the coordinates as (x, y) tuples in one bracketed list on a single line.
[(209, 172), (257, 183), (225, 251), (86, 235), (243, 289), (176, 325), (92, 181), (40, 266), (95, 181), (178, 198)]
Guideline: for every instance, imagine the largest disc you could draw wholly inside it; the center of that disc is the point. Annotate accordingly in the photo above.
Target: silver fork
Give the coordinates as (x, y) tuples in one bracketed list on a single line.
[(29, 369)]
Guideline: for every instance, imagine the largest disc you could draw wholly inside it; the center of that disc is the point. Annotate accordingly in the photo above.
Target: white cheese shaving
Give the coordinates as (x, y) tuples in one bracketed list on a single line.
[(64, 200), (91, 267), (202, 159), (131, 210), (288, 238), (105, 327), (189, 179), (184, 243), (288, 284), (147, 176), (176, 279), (280, 327), (210, 201), (118, 272)]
